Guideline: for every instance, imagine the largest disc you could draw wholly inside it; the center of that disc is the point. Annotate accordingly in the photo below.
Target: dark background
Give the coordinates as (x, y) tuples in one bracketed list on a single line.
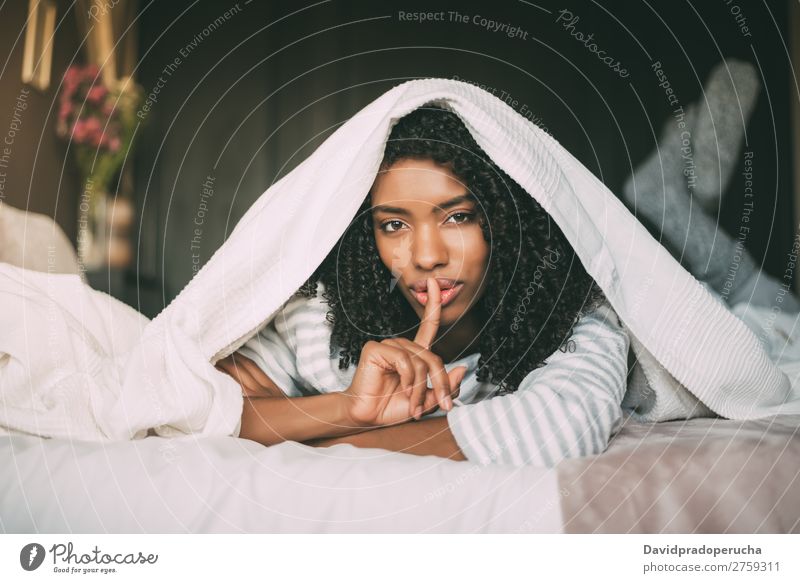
[(263, 90)]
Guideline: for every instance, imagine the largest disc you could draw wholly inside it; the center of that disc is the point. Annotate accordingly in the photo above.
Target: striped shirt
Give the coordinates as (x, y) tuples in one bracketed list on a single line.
[(570, 407)]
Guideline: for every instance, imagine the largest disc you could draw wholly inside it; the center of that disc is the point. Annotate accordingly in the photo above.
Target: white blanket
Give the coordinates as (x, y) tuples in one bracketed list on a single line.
[(118, 375), (227, 485)]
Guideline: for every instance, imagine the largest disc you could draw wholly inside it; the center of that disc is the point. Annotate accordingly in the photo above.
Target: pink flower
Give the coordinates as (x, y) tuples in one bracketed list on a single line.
[(72, 77), (93, 125), (96, 94), (79, 131), (87, 131), (71, 73), (86, 114)]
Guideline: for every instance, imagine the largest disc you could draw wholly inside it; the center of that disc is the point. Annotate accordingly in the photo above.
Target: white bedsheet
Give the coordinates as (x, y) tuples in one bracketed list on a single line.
[(231, 485)]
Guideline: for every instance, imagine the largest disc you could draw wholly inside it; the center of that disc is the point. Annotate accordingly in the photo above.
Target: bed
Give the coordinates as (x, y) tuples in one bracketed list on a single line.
[(699, 476)]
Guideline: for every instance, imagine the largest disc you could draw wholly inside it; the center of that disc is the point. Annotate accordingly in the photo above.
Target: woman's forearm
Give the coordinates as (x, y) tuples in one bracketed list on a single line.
[(271, 420), (430, 436)]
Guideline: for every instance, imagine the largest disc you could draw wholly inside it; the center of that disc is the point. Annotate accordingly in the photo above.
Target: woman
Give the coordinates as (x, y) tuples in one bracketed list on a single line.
[(448, 262)]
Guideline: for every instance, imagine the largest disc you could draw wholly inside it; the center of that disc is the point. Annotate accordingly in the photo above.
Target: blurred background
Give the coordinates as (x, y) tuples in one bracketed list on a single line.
[(147, 128)]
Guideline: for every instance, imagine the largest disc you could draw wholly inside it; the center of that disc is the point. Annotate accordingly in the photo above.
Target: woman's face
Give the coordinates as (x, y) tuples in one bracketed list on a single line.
[(426, 224)]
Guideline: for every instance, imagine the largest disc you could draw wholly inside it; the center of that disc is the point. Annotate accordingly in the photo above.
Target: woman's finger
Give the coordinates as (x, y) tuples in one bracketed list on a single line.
[(439, 377), (417, 398), (431, 317), (240, 375), (410, 377), (401, 361), (431, 404), (255, 372), (456, 376), (251, 375)]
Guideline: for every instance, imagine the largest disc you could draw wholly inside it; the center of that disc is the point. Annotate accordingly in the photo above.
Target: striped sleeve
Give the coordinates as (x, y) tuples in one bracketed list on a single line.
[(274, 350), (570, 407)]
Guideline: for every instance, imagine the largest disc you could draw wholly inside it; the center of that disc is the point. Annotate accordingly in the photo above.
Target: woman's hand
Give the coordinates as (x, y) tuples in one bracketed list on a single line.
[(390, 385), (252, 379)]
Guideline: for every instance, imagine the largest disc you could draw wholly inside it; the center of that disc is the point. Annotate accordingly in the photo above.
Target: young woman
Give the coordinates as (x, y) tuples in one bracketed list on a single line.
[(452, 272)]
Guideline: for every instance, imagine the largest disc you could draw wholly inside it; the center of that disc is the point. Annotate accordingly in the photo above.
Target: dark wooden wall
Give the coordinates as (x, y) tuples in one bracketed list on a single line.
[(37, 178)]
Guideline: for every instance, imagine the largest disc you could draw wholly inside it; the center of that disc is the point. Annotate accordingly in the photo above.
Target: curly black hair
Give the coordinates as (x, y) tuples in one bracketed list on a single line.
[(537, 288)]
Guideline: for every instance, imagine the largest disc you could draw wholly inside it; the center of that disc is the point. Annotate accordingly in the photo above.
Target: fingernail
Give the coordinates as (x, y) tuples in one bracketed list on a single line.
[(448, 403), (418, 412)]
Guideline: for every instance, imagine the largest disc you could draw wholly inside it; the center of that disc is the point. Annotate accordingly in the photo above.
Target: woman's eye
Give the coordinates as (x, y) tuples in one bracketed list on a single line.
[(387, 223), (466, 217), (394, 226)]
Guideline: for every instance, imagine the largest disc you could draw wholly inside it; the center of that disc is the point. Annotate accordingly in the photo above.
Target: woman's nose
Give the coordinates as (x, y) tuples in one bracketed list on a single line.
[(429, 248)]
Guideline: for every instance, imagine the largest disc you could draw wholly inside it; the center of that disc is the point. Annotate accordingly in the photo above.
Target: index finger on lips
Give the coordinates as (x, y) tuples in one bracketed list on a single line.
[(431, 317)]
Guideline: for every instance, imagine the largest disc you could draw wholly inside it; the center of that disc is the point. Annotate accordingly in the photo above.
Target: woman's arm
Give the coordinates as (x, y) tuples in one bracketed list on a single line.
[(431, 436), (271, 420), (253, 380), (269, 416)]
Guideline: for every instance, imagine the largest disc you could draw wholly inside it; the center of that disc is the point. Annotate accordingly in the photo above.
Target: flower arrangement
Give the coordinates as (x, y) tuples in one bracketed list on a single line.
[(99, 123)]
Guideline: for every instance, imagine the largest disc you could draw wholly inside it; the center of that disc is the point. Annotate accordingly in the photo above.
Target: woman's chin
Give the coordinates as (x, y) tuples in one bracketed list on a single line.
[(450, 315)]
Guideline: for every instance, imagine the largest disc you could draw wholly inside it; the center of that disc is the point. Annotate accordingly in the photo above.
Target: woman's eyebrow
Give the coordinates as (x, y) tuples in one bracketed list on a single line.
[(468, 197)]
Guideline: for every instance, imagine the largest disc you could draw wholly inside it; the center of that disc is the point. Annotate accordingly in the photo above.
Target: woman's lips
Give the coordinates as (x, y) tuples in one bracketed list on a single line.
[(447, 295)]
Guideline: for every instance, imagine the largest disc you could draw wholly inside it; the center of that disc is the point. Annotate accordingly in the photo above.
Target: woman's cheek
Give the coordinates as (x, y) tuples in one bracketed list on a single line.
[(387, 253), (380, 245), (477, 249)]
